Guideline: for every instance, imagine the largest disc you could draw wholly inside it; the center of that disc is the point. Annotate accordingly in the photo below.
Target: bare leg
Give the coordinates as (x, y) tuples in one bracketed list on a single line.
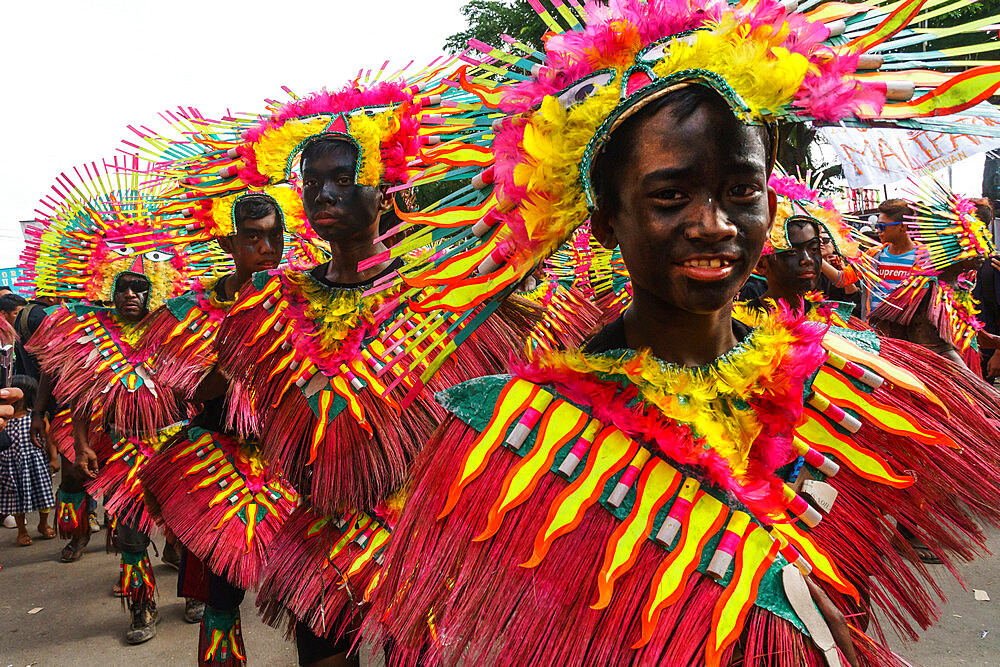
[(23, 539), (44, 529)]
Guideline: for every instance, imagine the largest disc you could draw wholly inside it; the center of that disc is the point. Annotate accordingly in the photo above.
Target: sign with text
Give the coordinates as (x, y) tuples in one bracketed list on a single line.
[(876, 156), (11, 276)]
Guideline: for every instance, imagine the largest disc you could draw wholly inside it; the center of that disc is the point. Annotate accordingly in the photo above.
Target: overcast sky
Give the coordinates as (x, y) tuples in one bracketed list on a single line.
[(75, 73)]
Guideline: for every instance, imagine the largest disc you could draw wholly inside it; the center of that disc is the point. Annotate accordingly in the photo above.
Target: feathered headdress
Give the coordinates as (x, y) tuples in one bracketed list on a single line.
[(102, 224), (797, 199), (382, 119), (769, 61), (947, 224)]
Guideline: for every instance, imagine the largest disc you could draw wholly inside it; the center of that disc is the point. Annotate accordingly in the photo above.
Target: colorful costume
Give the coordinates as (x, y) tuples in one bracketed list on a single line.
[(212, 487), (333, 377), (945, 224), (599, 274), (704, 476), (83, 247)]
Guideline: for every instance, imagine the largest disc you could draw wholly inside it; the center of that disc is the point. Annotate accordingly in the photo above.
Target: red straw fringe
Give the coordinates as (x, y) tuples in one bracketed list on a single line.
[(74, 365), (187, 513), (61, 433), (352, 467), (122, 499), (178, 369), (487, 609), (300, 579)]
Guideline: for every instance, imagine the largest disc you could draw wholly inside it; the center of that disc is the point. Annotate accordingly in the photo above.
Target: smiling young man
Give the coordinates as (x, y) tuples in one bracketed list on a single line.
[(649, 499)]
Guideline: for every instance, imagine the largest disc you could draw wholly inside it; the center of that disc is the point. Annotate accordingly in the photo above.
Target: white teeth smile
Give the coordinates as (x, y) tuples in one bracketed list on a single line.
[(708, 263)]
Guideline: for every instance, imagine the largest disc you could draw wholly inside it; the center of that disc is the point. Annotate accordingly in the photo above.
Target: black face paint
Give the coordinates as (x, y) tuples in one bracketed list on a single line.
[(335, 205), (796, 270)]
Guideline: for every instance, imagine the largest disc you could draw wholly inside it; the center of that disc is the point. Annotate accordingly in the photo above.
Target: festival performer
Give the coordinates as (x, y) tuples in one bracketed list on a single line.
[(895, 260), (328, 366), (646, 497), (106, 246), (935, 307), (794, 251), (790, 263), (210, 486)]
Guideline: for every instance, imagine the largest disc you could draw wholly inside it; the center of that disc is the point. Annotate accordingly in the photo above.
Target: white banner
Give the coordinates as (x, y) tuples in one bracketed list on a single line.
[(876, 156)]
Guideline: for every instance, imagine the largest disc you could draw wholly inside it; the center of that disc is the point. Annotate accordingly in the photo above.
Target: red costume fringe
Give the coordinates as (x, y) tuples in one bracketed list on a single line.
[(184, 352), (479, 606), (302, 577), (206, 524), (118, 479), (357, 462), (180, 365), (61, 433), (86, 378)]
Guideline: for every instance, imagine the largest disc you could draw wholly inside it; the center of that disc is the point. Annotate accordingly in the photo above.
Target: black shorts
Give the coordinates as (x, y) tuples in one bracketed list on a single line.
[(313, 649)]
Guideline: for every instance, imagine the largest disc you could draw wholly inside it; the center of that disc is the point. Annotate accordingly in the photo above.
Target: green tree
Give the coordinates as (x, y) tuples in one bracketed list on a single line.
[(488, 19)]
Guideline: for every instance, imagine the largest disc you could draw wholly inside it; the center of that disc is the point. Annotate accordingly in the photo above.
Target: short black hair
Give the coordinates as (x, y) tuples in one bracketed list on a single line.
[(11, 302), (28, 386), (802, 221), (323, 145), (255, 207), (618, 147)]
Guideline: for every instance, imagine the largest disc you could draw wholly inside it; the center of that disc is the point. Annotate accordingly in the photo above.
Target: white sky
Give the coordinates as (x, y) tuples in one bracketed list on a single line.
[(75, 73)]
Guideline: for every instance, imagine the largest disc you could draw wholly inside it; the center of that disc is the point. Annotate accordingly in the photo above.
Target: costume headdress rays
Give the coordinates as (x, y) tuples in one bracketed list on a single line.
[(947, 224), (827, 63), (103, 223), (185, 159)]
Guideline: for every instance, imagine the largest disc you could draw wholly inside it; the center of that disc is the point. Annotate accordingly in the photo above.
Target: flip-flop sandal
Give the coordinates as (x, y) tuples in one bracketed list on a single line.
[(24, 540), (70, 555), (48, 533), (925, 554)]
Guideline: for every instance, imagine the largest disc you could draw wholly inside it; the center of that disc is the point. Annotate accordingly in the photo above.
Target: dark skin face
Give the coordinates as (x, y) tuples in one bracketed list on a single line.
[(891, 231), (336, 207), (792, 273), (131, 295), (256, 246), (342, 212), (694, 210), (828, 249)]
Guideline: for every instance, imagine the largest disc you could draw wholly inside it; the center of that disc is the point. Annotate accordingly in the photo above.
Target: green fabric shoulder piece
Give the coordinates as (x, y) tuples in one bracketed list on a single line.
[(336, 407), (80, 309), (473, 402), (866, 340), (260, 279), (181, 305)]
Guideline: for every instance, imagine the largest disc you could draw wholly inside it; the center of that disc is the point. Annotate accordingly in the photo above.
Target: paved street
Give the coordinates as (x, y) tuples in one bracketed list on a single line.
[(90, 631), (81, 624)]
